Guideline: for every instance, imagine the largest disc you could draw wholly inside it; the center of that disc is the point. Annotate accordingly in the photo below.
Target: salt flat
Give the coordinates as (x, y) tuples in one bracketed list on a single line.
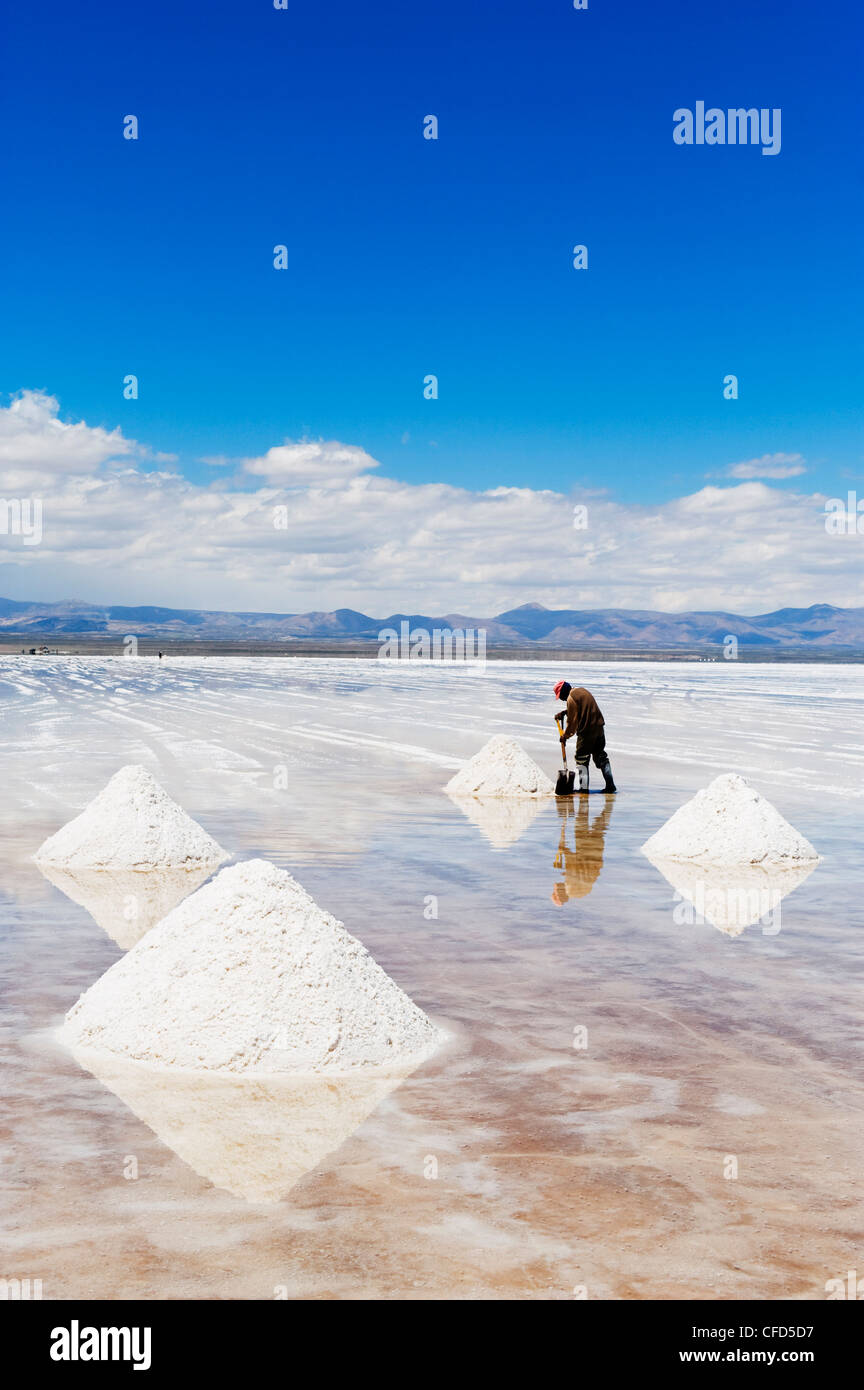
[(237, 718), (556, 1164)]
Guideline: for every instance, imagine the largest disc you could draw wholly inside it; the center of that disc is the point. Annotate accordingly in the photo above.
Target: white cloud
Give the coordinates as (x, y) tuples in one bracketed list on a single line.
[(769, 466), (33, 440), (310, 463), (355, 538)]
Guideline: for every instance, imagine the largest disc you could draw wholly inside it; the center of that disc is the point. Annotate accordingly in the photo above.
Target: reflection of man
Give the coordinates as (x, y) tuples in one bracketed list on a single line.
[(582, 864)]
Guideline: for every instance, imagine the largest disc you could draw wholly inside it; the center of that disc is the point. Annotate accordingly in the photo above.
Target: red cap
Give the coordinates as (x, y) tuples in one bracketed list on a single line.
[(559, 687)]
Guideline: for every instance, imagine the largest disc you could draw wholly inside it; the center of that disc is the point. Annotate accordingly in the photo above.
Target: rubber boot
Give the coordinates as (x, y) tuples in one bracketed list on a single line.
[(581, 777), (606, 769)]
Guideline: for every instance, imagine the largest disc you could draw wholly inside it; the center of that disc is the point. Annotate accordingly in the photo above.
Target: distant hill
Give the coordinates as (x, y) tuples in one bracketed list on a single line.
[(821, 628)]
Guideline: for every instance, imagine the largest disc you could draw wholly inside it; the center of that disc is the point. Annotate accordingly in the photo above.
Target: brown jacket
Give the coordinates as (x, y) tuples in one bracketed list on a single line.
[(583, 713)]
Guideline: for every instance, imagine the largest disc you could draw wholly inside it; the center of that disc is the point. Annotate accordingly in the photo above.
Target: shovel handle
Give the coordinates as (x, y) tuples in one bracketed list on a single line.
[(559, 720)]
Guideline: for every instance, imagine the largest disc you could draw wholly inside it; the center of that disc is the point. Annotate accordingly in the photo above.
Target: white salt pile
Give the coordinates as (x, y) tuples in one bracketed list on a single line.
[(132, 824), (728, 822), (501, 768), (250, 975)]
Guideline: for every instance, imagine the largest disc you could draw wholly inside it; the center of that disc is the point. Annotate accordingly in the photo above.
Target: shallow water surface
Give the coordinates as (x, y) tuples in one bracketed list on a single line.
[(632, 1102)]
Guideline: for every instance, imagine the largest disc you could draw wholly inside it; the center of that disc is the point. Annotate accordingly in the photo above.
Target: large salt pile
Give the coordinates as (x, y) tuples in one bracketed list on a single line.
[(501, 768), (132, 824), (728, 822), (250, 975)]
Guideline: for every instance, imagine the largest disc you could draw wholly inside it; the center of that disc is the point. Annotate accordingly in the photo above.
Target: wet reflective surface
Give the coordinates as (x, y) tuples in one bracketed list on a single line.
[(501, 820), (254, 1137), (608, 1055), (126, 902), (735, 898), (579, 858)]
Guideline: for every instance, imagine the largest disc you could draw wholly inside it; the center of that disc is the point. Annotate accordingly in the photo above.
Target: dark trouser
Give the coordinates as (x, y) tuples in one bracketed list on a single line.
[(592, 745)]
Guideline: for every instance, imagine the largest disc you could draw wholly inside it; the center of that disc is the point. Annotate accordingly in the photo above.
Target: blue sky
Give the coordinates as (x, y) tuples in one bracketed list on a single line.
[(453, 257), (409, 256)]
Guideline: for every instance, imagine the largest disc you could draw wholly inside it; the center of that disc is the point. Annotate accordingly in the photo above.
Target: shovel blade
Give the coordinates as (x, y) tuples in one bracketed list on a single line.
[(564, 785)]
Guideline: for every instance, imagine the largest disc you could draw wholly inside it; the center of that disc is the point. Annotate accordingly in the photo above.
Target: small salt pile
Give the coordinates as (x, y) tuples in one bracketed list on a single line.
[(728, 822), (132, 824), (501, 768), (250, 975)]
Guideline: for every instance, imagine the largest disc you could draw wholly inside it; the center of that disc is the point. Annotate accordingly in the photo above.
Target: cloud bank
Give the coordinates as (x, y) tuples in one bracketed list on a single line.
[(315, 525)]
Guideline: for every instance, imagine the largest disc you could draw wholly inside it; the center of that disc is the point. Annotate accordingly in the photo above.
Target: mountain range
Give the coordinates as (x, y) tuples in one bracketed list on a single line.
[(821, 627)]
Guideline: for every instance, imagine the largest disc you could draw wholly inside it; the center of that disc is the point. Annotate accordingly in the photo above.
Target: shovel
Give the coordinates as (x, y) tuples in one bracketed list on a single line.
[(566, 779)]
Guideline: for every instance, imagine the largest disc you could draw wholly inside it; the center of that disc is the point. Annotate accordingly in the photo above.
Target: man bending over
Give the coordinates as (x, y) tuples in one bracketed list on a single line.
[(583, 718)]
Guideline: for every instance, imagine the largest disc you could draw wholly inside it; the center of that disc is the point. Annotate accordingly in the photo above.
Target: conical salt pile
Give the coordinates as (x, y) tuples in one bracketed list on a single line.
[(132, 824), (501, 768), (250, 975), (728, 822)]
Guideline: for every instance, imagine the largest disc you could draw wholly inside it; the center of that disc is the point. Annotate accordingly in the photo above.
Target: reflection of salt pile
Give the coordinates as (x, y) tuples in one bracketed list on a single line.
[(735, 897), (126, 903), (250, 975), (132, 824), (254, 1137), (503, 821), (501, 768), (728, 822)]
